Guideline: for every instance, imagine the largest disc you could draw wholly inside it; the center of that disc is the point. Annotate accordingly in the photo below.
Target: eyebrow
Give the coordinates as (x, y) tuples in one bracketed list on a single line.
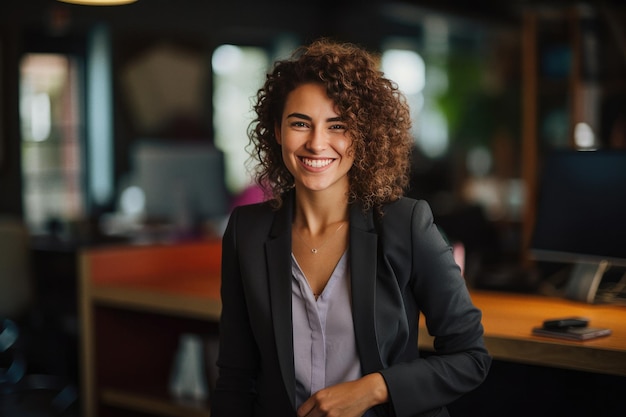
[(305, 117)]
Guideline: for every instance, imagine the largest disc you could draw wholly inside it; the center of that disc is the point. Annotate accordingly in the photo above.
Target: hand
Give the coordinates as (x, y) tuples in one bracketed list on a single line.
[(348, 399)]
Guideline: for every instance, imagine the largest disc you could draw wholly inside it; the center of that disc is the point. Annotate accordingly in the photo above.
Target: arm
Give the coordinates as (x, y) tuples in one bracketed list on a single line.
[(461, 361), (238, 356)]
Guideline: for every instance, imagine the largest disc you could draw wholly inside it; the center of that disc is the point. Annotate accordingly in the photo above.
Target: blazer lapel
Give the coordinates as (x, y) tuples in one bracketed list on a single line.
[(278, 253), (363, 251)]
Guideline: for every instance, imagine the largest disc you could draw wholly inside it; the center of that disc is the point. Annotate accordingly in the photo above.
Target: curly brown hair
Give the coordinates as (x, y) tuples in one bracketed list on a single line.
[(375, 112)]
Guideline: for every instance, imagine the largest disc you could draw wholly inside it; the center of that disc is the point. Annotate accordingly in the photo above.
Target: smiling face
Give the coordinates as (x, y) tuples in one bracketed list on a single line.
[(314, 141)]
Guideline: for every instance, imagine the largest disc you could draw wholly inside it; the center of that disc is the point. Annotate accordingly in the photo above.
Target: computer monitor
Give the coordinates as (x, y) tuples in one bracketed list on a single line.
[(182, 181), (581, 216)]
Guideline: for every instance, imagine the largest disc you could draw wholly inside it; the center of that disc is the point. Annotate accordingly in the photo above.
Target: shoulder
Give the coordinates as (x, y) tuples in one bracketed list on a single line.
[(250, 210), (250, 218), (408, 220), (404, 209)]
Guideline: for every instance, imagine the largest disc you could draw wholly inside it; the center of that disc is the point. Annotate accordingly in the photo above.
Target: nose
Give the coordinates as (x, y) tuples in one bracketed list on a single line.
[(317, 141)]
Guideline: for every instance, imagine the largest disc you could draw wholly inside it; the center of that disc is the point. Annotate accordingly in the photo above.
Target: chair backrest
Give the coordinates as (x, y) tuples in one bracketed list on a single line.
[(16, 287)]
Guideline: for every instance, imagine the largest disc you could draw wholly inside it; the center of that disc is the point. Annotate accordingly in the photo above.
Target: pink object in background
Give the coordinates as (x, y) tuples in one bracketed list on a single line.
[(458, 250), (252, 194)]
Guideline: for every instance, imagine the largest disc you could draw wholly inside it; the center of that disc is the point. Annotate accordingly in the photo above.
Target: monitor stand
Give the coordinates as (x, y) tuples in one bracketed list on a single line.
[(584, 281)]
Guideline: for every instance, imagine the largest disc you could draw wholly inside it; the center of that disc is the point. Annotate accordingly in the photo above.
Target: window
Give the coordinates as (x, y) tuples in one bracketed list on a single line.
[(238, 72), (51, 149), (407, 68)]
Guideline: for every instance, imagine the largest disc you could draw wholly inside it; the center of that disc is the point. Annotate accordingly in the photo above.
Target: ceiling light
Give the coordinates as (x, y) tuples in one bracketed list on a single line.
[(99, 2)]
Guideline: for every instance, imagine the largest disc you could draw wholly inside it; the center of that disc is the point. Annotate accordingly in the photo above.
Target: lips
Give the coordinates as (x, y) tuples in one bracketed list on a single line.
[(316, 163)]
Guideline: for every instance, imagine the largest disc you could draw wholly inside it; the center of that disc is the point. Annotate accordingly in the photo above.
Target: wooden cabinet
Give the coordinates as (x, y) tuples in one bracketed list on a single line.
[(135, 302)]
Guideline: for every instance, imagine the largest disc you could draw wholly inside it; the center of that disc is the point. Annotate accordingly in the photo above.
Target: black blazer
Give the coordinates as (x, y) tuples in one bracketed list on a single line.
[(399, 264)]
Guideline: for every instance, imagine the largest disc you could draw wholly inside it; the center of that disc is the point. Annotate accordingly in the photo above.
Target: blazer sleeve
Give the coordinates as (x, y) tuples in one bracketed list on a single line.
[(461, 361), (238, 356)]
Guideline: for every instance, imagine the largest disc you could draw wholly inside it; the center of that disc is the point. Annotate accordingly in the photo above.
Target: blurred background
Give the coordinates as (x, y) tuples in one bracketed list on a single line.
[(127, 124)]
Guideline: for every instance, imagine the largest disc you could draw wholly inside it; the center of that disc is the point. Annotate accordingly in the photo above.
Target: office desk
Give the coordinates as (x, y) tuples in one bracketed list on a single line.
[(509, 318), (135, 303)]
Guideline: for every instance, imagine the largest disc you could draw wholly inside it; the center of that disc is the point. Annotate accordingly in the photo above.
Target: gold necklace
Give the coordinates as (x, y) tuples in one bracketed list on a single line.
[(315, 250)]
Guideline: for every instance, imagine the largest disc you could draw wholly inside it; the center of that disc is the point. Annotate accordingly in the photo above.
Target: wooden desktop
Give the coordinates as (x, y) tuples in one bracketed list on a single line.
[(508, 320)]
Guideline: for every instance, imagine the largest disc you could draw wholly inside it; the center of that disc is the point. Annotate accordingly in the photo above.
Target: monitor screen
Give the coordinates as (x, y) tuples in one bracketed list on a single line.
[(581, 208), (180, 179)]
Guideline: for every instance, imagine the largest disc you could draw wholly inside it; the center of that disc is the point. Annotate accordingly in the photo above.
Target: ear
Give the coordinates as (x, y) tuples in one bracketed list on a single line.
[(277, 133)]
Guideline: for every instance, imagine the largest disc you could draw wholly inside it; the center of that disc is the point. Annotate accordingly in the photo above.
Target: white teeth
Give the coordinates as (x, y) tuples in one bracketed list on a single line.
[(317, 163)]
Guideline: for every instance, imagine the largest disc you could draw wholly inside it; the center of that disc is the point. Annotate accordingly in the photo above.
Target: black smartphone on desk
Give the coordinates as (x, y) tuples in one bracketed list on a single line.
[(565, 322), (572, 333)]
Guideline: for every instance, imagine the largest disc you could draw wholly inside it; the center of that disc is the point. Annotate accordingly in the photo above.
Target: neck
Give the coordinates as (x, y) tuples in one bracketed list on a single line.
[(316, 212)]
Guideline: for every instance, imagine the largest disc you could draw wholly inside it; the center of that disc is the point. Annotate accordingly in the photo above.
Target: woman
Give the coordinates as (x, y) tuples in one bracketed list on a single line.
[(322, 285)]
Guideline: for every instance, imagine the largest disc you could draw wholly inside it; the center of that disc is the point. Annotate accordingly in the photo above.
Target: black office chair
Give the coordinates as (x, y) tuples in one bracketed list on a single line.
[(23, 393)]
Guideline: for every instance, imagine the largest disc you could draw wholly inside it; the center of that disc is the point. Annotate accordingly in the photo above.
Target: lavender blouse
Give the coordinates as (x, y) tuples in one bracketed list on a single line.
[(323, 334)]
